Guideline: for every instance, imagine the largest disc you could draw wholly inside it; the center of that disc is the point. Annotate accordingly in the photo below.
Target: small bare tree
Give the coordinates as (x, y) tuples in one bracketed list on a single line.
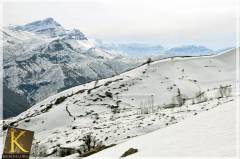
[(180, 98), (200, 97), (229, 91), (225, 91), (177, 101), (89, 143)]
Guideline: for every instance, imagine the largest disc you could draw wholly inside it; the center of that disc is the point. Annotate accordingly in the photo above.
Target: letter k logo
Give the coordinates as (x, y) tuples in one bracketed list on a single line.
[(14, 141)]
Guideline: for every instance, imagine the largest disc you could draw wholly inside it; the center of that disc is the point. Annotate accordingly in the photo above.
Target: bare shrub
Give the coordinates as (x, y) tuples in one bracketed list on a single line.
[(177, 101), (89, 143), (224, 91), (38, 150), (180, 98), (200, 97), (144, 110), (147, 106), (62, 152)]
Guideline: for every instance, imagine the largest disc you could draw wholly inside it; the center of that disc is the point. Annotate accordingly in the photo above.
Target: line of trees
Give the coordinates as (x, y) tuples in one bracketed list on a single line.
[(200, 96)]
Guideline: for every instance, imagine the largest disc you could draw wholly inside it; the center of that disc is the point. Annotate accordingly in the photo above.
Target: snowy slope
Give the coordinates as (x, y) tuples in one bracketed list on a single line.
[(210, 134), (42, 58), (133, 103)]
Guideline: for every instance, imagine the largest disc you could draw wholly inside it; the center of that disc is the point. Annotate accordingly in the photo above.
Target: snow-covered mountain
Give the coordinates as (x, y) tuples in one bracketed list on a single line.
[(43, 58), (50, 27), (150, 97), (151, 50)]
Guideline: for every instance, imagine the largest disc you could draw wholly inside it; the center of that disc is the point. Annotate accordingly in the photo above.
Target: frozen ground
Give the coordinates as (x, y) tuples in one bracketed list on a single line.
[(138, 102), (210, 134)]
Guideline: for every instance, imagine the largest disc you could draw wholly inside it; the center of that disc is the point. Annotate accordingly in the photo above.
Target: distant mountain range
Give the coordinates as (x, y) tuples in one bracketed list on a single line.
[(189, 50), (132, 49), (146, 50)]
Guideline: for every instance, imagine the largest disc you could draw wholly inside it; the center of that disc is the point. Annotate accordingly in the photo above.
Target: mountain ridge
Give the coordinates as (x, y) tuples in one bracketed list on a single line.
[(138, 49)]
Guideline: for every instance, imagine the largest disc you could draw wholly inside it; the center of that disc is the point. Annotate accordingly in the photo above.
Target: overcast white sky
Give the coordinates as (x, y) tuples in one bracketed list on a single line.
[(167, 22)]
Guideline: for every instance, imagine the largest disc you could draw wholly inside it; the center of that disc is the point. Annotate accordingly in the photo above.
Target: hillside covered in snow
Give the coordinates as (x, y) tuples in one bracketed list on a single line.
[(43, 58), (150, 97), (210, 134)]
